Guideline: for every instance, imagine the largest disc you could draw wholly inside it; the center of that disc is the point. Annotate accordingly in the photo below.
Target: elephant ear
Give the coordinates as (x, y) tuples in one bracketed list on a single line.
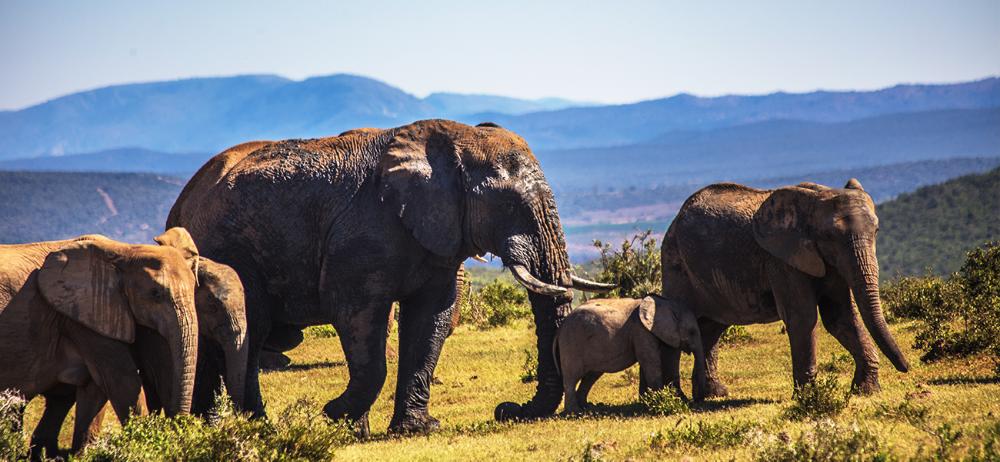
[(422, 183), (79, 282), (781, 226), (180, 239), (658, 316)]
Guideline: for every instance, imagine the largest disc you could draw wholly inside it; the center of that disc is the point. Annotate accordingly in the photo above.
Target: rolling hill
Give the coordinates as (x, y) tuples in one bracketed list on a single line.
[(42, 206), (934, 226), (113, 160), (209, 114)]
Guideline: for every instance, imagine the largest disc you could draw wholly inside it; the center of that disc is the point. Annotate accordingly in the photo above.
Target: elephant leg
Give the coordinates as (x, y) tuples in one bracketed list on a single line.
[(711, 332), (90, 401), (842, 321), (361, 330), (796, 303), (571, 405), (424, 322), (207, 377), (670, 368), (586, 383), (45, 438)]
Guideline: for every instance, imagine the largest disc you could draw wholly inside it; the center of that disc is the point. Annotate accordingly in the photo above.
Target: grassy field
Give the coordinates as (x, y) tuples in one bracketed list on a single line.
[(480, 368)]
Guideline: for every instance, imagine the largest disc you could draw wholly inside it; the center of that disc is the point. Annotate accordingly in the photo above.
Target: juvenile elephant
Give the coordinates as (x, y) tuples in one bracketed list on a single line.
[(335, 230), (738, 255), (221, 343), (609, 335), (69, 313)]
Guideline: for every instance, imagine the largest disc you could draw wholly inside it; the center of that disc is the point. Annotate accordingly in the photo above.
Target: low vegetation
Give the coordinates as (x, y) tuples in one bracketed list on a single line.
[(821, 398), (955, 316), (496, 304), (634, 266), (12, 442)]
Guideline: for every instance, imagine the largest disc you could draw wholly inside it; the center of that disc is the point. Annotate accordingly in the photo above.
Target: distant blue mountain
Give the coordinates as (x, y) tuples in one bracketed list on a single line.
[(113, 160), (210, 114)]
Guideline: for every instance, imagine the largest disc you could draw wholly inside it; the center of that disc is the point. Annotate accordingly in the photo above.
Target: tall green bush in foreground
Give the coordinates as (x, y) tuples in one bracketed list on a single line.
[(12, 446), (300, 433), (958, 316), (634, 267)]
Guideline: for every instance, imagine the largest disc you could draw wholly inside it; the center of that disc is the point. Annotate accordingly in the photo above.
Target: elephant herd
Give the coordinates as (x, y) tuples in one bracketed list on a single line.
[(268, 238)]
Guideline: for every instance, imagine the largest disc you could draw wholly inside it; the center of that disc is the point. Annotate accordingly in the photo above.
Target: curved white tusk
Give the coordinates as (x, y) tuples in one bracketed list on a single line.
[(532, 283), (479, 259), (580, 283)]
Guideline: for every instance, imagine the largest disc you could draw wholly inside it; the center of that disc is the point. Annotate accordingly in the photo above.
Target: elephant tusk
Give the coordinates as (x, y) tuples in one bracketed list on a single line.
[(587, 285), (532, 283), (479, 259)]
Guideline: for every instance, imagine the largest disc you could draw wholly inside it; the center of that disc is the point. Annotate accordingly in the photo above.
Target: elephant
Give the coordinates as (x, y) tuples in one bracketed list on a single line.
[(70, 312), (610, 335), (334, 230), (739, 255)]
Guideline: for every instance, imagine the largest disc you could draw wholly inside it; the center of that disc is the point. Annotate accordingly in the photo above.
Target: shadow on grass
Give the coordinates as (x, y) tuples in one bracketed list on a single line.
[(309, 366), (965, 380), (716, 405)]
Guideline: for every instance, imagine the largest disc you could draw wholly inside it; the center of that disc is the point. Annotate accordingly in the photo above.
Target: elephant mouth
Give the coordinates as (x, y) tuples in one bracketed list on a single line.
[(536, 285)]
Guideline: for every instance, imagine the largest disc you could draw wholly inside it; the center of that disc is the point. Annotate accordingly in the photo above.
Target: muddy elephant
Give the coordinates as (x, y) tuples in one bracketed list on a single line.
[(610, 335), (71, 312), (738, 255), (334, 230)]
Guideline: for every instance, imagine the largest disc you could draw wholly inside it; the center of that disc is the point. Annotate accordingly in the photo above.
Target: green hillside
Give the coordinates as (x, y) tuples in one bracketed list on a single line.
[(934, 226), (41, 206)]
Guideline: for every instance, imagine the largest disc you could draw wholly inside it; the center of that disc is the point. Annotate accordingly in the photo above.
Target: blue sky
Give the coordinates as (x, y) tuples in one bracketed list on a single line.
[(595, 51)]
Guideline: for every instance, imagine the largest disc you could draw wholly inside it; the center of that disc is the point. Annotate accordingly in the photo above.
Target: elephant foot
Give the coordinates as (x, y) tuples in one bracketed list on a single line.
[(715, 389), (866, 386), (273, 361), (337, 409), (507, 411), (415, 424)]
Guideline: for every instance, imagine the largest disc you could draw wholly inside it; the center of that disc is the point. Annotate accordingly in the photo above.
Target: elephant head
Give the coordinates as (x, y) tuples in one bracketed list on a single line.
[(677, 326), (117, 289), (815, 229), (464, 191)]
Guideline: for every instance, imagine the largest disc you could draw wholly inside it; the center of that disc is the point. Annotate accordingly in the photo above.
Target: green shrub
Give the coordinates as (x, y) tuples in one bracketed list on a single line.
[(827, 441), (968, 321), (917, 415), (299, 433), (529, 371), (913, 297), (635, 267), (496, 304), (321, 331), (12, 445), (663, 402), (735, 335), (823, 397), (988, 449), (706, 435)]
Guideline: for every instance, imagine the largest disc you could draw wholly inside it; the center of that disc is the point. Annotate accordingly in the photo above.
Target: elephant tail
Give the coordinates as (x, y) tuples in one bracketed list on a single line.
[(555, 354)]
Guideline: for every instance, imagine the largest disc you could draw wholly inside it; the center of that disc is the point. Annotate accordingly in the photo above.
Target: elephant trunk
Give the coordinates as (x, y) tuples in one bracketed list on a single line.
[(182, 337), (865, 286)]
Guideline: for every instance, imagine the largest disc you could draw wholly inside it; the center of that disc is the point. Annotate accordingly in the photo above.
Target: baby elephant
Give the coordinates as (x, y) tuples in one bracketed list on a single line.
[(609, 335)]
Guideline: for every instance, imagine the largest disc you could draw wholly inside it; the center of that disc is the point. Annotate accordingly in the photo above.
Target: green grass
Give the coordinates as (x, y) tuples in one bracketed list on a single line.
[(480, 368)]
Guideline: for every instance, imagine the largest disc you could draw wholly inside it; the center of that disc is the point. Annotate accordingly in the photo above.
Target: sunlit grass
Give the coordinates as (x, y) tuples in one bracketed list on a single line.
[(480, 368)]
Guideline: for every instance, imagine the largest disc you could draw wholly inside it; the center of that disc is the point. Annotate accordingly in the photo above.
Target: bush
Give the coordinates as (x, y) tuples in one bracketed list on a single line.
[(12, 445), (663, 402), (300, 433), (321, 331), (634, 268), (912, 297), (529, 371), (708, 435), (827, 441), (736, 335), (820, 398), (496, 304), (968, 321)]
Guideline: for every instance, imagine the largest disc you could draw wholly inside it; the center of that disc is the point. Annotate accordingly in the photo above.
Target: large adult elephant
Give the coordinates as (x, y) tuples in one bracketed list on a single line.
[(334, 230), (69, 314), (738, 255)]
